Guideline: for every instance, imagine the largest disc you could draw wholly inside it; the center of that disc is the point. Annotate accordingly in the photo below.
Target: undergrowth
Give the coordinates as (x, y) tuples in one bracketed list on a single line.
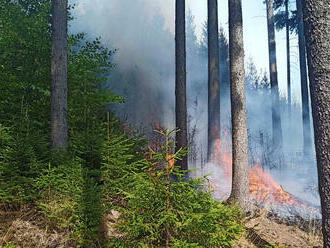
[(105, 167), (163, 208)]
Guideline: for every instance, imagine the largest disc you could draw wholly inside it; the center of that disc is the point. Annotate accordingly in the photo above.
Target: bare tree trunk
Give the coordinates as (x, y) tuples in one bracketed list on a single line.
[(304, 83), (317, 33), (240, 182), (59, 90), (288, 59), (213, 79), (180, 79), (276, 115)]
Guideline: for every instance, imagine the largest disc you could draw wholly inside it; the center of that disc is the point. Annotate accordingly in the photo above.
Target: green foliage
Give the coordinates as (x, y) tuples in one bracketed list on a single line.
[(10, 245), (19, 167), (61, 186), (66, 187), (105, 165), (25, 48), (163, 208), (70, 199), (122, 158)]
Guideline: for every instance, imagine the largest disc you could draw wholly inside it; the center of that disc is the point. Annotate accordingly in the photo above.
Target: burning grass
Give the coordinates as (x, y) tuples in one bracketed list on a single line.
[(265, 191)]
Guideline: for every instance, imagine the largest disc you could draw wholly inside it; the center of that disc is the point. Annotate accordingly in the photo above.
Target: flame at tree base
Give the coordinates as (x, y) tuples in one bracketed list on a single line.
[(263, 188)]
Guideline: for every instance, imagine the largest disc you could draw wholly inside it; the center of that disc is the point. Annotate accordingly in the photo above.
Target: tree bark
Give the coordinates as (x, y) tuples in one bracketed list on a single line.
[(288, 59), (303, 78), (180, 80), (240, 182), (213, 77), (276, 115), (59, 91), (317, 33)]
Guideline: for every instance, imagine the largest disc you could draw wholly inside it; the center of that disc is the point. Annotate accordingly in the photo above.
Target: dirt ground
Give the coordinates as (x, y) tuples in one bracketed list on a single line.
[(23, 229), (262, 231)]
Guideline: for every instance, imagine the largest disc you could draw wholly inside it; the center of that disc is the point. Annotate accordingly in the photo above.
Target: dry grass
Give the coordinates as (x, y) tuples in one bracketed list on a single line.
[(26, 229)]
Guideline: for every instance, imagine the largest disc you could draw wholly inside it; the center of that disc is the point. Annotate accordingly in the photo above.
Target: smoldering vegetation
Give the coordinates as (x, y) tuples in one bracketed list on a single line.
[(144, 76)]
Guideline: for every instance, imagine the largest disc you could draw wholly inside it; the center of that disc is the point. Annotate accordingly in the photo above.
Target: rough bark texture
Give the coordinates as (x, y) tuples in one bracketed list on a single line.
[(317, 33), (304, 83), (288, 62), (276, 115), (240, 182), (180, 79), (59, 91), (213, 78)]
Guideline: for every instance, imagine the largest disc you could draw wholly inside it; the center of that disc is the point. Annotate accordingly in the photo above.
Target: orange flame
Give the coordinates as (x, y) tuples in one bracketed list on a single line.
[(263, 188)]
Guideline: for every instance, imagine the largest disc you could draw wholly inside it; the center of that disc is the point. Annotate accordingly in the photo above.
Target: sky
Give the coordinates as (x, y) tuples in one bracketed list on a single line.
[(254, 24), (255, 39)]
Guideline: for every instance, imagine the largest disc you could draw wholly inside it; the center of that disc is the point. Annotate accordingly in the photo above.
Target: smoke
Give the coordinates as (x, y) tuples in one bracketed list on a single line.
[(142, 31), (144, 73), (217, 182)]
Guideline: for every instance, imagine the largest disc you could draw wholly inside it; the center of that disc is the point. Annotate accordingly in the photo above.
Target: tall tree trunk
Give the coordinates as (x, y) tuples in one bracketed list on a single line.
[(276, 115), (59, 89), (180, 79), (304, 83), (317, 33), (240, 182), (288, 59), (213, 78)]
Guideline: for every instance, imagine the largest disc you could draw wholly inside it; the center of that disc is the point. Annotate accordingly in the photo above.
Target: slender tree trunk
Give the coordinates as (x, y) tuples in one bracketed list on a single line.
[(240, 182), (288, 62), (276, 115), (213, 79), (304, 83), (317, 33), (59, 90), (180, 79)]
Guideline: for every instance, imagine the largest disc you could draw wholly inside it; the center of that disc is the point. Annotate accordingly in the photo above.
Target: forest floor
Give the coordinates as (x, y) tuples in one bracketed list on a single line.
[(27, 228), (264, 230)]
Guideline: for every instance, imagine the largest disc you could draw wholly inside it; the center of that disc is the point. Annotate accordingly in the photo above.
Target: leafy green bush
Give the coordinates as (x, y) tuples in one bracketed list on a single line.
[(163, 208)]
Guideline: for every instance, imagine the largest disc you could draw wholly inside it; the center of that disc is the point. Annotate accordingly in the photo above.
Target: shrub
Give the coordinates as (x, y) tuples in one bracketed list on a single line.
[(19, 167), (123, 156), (164, 208), (61, 185), (70, 199)]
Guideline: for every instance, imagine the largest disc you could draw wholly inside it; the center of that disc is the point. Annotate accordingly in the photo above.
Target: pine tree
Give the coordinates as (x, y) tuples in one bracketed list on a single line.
[(317, 33), (180, 80), (276, 115), (294, 23), (213, 78), (59, 88), (303, 77), (288, 62), (240, 182)]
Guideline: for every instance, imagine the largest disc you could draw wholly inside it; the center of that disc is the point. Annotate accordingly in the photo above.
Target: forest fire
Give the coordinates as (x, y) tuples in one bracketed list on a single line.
[(263, 188)]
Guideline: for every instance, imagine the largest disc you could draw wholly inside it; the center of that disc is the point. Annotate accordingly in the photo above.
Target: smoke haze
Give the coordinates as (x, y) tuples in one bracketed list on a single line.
[(142, 31)]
